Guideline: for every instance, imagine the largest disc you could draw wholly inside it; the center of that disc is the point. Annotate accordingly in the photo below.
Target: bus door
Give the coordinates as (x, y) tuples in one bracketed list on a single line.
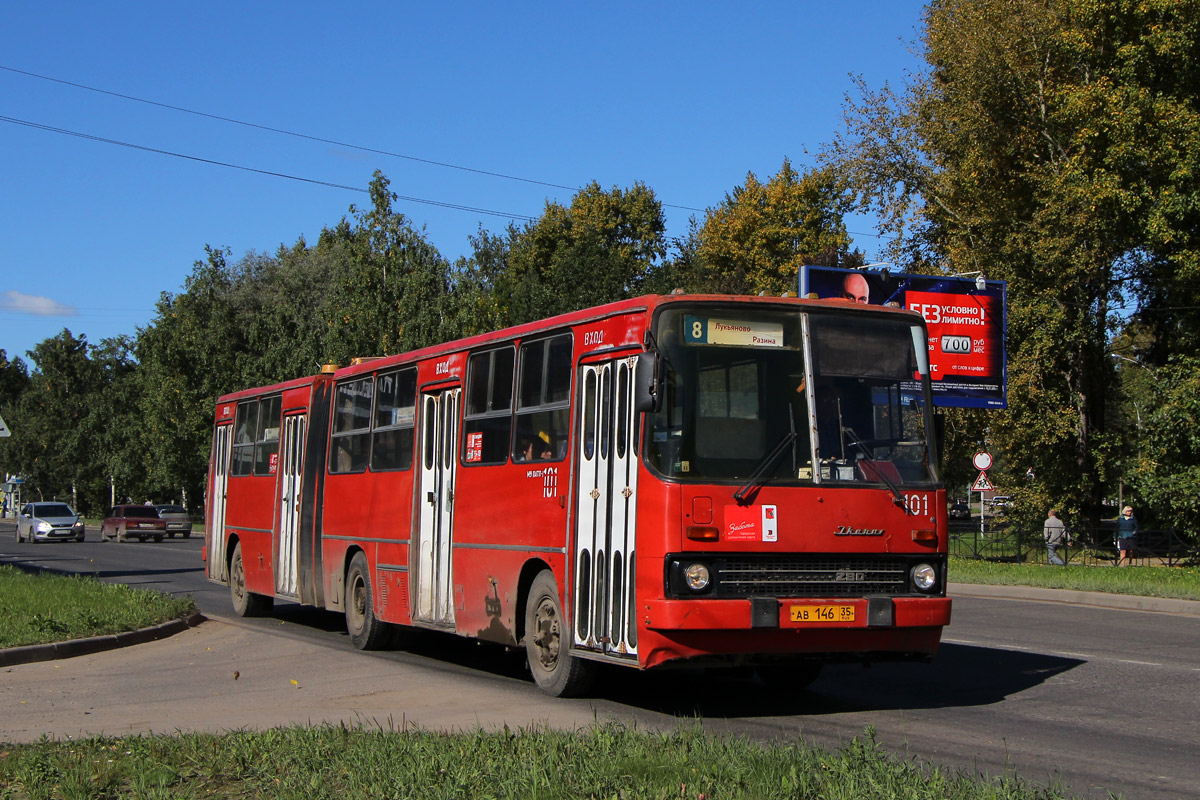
[(222, 454), (291, 462), (606, 499), (439, 449)]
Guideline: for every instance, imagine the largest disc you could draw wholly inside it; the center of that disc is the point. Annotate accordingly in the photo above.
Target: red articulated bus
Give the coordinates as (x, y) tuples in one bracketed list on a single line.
[(667, 480)]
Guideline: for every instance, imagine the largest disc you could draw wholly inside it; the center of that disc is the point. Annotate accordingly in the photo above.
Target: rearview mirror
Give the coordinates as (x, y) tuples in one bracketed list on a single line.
[(647, 387)]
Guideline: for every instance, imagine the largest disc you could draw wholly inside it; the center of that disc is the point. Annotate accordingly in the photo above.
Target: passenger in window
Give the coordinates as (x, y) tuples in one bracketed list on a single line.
[(540, 448)]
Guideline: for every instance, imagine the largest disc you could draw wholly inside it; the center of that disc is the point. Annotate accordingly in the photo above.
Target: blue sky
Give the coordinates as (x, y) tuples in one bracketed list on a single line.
[(685, 97)]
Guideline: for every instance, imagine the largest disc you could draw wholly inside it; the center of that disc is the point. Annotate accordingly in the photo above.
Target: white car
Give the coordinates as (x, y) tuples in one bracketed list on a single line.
[(46, 522)]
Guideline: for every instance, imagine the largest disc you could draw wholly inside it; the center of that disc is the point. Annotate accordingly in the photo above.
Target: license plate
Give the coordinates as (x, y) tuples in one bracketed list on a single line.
[(837, 613)]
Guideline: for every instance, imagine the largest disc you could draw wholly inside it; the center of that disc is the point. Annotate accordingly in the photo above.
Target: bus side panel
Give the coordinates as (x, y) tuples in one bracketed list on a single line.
[(312, 488), (372, 511), (516, 513), (250, 516)]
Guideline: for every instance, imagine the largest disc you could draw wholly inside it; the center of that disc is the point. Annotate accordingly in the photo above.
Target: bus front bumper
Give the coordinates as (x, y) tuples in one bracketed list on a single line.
[(808, 612), (754, 630)]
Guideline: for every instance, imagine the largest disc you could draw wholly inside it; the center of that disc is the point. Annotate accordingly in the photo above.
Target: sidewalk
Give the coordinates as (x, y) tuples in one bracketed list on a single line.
[(220, 676)]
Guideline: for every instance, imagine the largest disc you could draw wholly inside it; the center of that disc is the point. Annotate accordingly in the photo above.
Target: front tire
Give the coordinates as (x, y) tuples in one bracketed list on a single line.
[(366, 631), (245, 602), (556, 671)]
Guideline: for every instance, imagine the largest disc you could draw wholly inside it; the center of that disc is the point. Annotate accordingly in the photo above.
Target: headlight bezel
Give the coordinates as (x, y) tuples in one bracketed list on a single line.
[(924, 577)]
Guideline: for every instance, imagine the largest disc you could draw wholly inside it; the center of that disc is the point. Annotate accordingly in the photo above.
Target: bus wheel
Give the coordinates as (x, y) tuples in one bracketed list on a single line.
[(245, 602), (555, 670), (366, 631)]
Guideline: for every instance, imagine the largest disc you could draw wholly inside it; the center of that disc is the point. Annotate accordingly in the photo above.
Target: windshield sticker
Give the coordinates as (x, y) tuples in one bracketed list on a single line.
[(740, 333), (751, 524)]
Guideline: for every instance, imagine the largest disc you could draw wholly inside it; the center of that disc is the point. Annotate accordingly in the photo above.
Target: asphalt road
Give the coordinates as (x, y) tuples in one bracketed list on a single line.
[(1093, 699)]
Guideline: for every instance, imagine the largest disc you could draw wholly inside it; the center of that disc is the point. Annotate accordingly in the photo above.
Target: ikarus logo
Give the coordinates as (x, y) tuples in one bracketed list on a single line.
[(846, 530)]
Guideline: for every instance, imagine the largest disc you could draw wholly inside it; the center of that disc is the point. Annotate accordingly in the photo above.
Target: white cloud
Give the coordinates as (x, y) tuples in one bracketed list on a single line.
[(32, 304)]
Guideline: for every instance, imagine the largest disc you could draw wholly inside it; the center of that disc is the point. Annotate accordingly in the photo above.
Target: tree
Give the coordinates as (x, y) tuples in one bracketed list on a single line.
[(600, 248), (73, 419), (14, 382), (390, 287), (1033, 149), (759, 237), (1167, 458)]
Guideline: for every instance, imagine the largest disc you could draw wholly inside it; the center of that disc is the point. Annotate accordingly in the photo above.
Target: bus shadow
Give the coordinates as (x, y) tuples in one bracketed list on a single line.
[(960, 675)]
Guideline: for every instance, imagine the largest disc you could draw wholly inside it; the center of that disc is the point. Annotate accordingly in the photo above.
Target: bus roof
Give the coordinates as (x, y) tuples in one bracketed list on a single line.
[(645, 304)]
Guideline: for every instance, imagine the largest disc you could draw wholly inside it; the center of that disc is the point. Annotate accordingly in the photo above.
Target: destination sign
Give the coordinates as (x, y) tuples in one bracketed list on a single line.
[(740, 333)]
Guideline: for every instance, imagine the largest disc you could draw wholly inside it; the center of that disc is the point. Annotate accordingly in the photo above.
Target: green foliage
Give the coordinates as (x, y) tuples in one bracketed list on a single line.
[(1179, 583), (389, 289), (605, 760), (759, 237), (1039, 147), (600, 248), (72, 412), (1166, 471), (47, 607)]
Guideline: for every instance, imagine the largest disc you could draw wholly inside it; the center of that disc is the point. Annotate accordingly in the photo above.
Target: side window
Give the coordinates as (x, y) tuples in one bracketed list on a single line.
[(488, 416), (266, 447), (544, 397), (350, 440), (245, 434), (395, 413)]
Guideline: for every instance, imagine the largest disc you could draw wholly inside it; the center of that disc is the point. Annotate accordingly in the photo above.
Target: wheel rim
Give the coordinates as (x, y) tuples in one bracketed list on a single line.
[(237, 580), (358, 602), (546, 634)]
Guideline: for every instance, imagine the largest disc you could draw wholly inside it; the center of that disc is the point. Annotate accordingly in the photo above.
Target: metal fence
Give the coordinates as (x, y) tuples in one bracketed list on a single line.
[(1088, 546)]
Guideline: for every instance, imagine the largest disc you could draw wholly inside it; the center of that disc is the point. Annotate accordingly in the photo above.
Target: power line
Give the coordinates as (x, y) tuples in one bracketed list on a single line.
[(117, 142), (309, 137)]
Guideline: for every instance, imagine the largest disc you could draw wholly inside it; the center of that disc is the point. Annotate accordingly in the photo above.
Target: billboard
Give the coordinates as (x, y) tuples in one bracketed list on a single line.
[(967, 326)]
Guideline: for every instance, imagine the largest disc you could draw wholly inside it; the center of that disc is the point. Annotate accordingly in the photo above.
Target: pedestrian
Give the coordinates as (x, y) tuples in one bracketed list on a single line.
[(1056, 536), (1127, 528)]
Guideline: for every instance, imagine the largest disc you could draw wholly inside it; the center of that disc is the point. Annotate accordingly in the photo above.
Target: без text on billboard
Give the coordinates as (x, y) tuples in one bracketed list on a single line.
[(966, 324)]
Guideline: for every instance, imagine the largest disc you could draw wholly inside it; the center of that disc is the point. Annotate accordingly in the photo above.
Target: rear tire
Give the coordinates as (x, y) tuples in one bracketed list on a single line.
[(556, 671), (366, 631), (158, 538), (245, 602)]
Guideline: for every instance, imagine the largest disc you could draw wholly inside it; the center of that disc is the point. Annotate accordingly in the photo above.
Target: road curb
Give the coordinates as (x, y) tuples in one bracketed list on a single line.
[(95, 644), (1121, 602)]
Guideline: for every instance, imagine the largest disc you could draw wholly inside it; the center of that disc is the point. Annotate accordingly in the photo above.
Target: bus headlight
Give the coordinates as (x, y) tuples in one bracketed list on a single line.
[(697, 577), (924, 577)]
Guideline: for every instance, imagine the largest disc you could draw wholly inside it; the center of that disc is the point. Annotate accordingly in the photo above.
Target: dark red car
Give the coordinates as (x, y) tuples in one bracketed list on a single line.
[(133, 522)]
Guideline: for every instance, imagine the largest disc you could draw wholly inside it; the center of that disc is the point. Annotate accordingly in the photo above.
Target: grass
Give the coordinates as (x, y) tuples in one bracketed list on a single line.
[(605, 761), (1175, 582), (39, 608)]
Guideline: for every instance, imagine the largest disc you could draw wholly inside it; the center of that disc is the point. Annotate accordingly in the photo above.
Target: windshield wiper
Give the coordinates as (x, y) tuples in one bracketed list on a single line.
[(855, 442), (758, 478)]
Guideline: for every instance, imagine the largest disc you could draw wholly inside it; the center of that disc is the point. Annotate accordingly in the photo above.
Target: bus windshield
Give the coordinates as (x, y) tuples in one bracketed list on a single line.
[(746, 395)]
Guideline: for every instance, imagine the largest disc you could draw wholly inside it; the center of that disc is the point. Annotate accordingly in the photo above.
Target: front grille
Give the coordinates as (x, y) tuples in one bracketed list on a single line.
[(811, 577), (798, 576)]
